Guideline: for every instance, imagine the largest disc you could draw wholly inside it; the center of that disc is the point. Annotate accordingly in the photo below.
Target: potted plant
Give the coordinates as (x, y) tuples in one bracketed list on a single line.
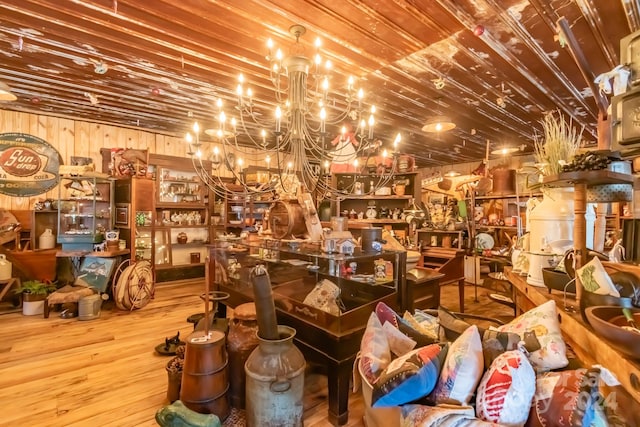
[(34, 293)]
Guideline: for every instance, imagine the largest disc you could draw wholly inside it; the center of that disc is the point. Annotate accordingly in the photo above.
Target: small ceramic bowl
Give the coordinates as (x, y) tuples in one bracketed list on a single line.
[(607, 322)]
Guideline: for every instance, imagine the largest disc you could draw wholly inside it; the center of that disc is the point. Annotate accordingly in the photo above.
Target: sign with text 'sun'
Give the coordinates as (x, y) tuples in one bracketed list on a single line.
[(28, 165)]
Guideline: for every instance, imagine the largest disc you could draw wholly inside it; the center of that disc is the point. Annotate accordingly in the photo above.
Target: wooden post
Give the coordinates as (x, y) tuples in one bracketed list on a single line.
[(579, 230)]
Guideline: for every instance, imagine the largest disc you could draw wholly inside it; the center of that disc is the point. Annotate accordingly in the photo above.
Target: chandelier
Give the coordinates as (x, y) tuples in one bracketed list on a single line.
[(294, 148)]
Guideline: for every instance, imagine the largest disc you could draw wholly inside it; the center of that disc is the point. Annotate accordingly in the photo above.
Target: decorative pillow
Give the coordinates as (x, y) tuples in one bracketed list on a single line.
[(399, 343), (451, 326), (324, 296), (567, 398), (595, 279), (506, 389), (425, 324), (387, 314), (462, 369), (409, 377), (494, 343), (374, 350), (543, 320), (441, 415), (427, 321)]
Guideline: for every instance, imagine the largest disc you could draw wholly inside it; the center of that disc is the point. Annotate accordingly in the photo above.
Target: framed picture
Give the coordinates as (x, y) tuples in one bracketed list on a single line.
[(95, 272), (122, 215), (436, 199)]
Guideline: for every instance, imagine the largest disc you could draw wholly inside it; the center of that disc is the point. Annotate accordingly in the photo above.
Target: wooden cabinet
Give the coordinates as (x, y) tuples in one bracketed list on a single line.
[(383, 208), (182, 225), (85, 211), (439, 238), (135, 216), (241, 212), (449, 262)]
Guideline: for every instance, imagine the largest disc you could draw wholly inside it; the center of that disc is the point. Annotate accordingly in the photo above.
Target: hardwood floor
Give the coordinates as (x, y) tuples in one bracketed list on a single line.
[(105, 372)]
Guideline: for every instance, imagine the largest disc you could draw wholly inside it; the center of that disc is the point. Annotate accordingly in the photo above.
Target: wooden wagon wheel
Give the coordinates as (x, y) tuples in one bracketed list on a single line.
[(116, 289), (140, 284)]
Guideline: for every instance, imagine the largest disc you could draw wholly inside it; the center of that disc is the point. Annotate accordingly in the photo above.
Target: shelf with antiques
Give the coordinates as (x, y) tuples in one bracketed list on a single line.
[(426, 237), (371, 200), (135, 216), (183, 222), (248, 212), (326, 297), (85, 211), (44, 227)]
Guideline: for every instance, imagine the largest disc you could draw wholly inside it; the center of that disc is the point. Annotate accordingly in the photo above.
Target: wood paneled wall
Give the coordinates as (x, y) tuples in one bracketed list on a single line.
[(80, 138)]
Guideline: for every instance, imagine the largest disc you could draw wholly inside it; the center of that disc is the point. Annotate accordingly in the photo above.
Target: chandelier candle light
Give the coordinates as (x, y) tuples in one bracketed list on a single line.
[(296, 151)]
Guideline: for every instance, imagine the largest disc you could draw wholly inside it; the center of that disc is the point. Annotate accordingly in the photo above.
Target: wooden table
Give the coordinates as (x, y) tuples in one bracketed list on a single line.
[(589, 347)]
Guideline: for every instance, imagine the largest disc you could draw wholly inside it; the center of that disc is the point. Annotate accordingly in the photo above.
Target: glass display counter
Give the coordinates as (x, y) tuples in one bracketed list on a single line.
[(295, 269)]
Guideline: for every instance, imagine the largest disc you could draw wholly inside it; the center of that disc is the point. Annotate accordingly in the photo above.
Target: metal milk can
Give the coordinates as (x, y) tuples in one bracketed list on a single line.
[(275, 382)]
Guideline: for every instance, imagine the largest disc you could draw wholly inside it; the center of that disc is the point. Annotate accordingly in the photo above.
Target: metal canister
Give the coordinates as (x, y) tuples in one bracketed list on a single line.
[(241, 341), (275, 382)]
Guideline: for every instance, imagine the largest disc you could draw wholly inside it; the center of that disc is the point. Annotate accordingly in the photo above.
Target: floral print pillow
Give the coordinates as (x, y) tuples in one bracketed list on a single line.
[(543, 321)]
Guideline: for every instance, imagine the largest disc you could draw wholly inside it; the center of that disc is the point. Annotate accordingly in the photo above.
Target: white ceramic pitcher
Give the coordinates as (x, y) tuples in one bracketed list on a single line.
[(5, 268)]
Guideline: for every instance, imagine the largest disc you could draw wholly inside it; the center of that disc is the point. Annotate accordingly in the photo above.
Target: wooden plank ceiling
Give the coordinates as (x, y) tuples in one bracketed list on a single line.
[(168, 61)]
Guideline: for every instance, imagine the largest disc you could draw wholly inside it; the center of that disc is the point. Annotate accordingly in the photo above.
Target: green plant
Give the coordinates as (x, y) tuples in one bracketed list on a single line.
[(559, 144), (35, 287)]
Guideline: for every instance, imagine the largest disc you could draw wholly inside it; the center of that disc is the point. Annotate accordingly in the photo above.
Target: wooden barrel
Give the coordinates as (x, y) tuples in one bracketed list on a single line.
[(204, 376), (504, 182), (286, 220)]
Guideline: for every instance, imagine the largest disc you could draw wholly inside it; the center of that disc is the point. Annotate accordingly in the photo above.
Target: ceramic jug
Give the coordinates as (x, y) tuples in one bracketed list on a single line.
[(5, 268), (47, 240)]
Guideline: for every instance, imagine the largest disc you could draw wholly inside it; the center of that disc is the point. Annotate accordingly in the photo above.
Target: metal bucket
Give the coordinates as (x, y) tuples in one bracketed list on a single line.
[(275, 382), (204, 377)]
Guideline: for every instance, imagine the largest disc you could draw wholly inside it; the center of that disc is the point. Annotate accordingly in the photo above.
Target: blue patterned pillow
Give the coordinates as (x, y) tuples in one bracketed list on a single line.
[(410, 377)]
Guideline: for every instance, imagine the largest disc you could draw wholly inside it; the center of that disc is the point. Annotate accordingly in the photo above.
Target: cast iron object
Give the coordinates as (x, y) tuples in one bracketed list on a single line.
[(607, 322), (554, 279), (590, 299)]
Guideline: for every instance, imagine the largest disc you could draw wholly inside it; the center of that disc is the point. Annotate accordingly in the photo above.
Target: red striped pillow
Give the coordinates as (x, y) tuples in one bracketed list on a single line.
[(506, 390)]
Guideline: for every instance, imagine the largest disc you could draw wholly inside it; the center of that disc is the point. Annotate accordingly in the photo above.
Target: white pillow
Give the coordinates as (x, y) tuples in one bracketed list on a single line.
[(594, 278), (543, 321), (506, 390), (462, 369)]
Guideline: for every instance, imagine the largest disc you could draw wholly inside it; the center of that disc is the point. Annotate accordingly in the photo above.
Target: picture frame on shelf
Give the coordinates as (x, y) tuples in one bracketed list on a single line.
[(122, 215)]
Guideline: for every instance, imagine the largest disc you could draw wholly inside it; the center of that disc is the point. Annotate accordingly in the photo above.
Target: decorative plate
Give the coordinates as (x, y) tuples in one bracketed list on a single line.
[(484, 241)]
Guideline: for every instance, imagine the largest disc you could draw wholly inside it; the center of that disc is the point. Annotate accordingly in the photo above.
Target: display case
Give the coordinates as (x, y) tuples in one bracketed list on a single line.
[(134, 216), (183, 223), (180, 187), (85, 211), (249, 211), (295, 272), (295, 269)]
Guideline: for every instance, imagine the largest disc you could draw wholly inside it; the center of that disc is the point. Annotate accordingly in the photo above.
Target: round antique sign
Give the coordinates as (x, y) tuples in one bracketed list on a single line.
[(28, 165)]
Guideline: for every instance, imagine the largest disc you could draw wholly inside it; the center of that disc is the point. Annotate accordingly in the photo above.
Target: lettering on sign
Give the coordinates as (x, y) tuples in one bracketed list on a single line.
[(28, 165)]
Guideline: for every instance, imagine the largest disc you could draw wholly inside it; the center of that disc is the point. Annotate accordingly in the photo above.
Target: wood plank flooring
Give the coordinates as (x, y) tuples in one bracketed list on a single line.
[(105, 372)]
